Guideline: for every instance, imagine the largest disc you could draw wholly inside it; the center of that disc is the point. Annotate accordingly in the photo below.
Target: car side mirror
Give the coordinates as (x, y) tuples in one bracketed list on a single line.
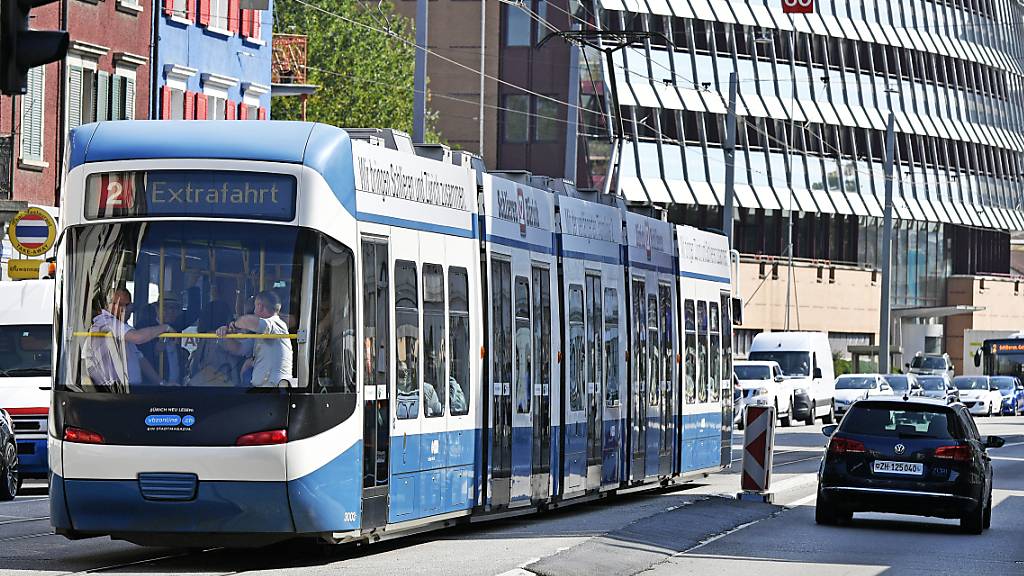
[(994, 441), (817, 373), (831, 429), (977, 358), (779, 379)]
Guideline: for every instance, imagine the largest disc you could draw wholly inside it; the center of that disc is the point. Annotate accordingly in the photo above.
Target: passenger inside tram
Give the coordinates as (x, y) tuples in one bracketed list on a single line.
[(272, 355), (112, 357), (212, 363)]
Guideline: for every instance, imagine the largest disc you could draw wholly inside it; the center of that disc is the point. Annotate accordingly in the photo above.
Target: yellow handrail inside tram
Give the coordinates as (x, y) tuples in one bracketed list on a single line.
[(201, 335)]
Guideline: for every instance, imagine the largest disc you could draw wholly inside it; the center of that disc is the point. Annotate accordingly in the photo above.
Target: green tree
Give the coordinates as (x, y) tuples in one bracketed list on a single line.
[(365, 76)]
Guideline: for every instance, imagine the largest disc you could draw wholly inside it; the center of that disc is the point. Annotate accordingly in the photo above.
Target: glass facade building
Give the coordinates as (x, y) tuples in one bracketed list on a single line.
[(814, 95)]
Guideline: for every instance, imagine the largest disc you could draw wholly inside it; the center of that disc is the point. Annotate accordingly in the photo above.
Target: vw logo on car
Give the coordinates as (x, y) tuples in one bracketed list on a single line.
[(900, 448)]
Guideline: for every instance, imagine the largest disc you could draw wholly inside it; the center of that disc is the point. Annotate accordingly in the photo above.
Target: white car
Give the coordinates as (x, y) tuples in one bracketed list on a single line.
[(763, 384), (853, 387), (979, 394)]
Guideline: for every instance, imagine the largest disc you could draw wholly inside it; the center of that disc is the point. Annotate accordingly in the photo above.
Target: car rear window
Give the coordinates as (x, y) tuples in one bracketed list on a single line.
[(901, 421)]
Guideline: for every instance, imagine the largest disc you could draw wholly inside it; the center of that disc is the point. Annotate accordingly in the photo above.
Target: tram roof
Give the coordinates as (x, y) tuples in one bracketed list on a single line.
[(324, 148)]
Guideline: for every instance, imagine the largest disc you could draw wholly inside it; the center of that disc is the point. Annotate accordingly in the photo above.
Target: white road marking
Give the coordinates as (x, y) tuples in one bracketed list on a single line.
[(802, 501)]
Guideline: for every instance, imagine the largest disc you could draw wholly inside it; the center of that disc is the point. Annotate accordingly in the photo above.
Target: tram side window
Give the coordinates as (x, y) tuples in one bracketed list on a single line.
[(433, 341), (640, 333), (407, 332), (458, 330), (653, 342), (375, 313), (690, 325), (667, 335), (714, 368), (726, 338), (501, 298), (611, 346), (594, 351), (702, 351), (577, 349), (335, 344), (524, 344), (542, 328)]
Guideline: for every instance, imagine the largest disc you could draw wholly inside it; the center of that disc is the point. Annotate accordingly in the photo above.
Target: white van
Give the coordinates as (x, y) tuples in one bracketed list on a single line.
[(806, 360), (26, 344)]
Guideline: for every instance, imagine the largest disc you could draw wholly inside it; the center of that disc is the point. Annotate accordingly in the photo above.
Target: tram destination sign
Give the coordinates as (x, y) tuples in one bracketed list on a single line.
[(216, 194)]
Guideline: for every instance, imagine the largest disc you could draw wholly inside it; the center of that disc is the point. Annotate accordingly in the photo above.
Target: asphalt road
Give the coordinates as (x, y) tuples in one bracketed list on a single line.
[(690, 530)]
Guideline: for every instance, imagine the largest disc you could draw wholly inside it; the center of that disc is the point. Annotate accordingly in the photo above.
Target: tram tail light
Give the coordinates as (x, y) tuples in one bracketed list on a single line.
[(82, 436), (265, 438)]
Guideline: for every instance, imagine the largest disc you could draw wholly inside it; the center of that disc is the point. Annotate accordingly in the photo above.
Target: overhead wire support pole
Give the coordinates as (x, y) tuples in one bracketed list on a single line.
[(617, 40), (419, 106), (730, 160), (884, 306)]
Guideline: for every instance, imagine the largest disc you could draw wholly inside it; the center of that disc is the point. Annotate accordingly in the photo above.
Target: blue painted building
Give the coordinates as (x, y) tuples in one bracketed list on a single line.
[(211, 61)]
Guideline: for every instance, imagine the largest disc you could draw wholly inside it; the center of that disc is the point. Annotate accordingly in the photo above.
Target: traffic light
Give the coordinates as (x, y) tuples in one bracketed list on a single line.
[(21, 48)]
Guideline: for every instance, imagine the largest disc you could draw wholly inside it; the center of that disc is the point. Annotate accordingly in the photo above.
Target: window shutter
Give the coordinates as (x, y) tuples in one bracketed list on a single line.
[(255, 23), (262, 113), (230, 108), (103, 96), (129, 99), (32, 116), (190, 99), (190, 10), (204, 12), (74, 97), (201, 107), (165, 103), (234, 15), (116, 101), (243, 111), (246, 20), (168, 7)]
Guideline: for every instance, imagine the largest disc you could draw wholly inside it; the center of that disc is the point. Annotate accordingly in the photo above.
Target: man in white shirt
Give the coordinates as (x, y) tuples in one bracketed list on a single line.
[(272, 357), (113, 359)]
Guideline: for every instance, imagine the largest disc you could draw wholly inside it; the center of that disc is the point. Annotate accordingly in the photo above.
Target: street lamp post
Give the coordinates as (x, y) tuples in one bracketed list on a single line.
[(885, 324)]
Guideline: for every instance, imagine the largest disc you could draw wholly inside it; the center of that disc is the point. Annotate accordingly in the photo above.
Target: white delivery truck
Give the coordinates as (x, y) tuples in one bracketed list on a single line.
[(26, 344), (806, 360)]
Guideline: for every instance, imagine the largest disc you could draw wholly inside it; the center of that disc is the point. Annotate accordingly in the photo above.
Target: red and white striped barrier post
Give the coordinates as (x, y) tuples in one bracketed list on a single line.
[(758, 446)]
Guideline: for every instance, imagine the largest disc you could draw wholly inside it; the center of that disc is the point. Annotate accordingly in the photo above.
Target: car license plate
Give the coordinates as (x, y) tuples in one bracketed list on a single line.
[(888, 467)]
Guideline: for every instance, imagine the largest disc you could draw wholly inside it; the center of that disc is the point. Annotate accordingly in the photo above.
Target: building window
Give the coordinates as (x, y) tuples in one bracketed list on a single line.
[(517, 26), (175, 8), (546, 126), (176, 107), (32, 116), (81, 95), (218, 14), (216, 108), (517, 118)]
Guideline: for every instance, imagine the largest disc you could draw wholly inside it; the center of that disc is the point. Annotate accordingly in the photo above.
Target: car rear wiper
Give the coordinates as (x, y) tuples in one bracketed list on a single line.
[(33, 371)]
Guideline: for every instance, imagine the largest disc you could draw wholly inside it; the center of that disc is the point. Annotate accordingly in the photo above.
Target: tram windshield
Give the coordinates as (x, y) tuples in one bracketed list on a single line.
[(182, 304)]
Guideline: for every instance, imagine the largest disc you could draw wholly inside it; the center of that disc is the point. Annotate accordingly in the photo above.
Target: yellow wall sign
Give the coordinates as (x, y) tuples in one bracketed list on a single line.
[(32, 232), (24, 269)]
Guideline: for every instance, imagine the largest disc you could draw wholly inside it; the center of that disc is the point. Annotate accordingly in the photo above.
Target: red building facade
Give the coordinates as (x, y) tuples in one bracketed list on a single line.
[(105, 76)]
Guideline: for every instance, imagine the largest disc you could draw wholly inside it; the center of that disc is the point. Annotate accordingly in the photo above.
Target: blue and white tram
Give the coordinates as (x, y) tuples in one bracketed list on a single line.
[(268, 330)]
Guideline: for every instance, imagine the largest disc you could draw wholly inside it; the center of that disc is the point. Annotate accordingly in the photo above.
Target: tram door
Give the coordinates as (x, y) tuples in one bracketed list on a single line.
[(541, 383), (501, 382), (376, 405), (638, 381), (727, 399), (595, 368)]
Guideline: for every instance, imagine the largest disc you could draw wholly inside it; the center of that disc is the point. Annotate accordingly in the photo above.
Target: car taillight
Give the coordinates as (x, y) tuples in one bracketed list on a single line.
[(42, 411), (957, 453), (265, 438), (82, 436), (845, 445)]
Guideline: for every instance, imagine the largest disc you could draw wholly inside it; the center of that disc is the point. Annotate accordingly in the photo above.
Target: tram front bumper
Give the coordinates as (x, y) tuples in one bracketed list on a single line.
[(118, 508)]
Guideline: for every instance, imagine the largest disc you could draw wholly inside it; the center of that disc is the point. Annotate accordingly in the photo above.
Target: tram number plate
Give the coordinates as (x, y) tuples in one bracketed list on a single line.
[(888, 467)]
